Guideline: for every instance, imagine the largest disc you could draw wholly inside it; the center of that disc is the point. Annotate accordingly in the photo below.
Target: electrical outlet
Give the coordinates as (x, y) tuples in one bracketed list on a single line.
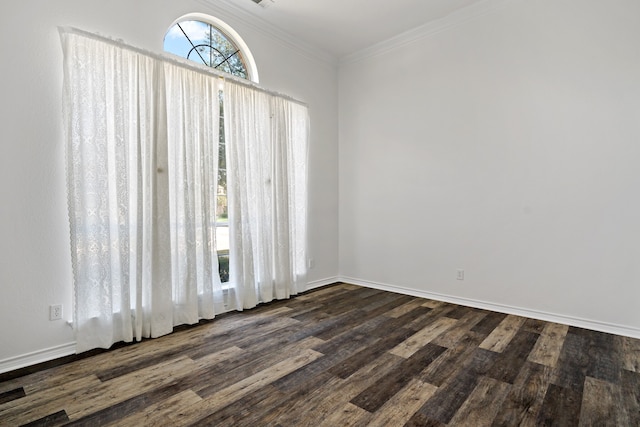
[(55, 312), (311, 263), (460, 274)]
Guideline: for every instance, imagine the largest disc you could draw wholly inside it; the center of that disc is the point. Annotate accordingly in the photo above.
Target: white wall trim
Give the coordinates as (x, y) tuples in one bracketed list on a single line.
[(456, 18), (48, 354), (594, 325), (40, 356), (323, 282), (227, 10)]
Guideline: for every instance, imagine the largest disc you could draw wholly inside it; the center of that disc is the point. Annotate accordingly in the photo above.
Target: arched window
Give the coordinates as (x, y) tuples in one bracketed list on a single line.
[(209, 41)]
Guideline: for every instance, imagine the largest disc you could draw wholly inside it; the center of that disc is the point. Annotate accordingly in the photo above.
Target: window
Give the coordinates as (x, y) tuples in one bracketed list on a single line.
[(142, 177), (210, 42)]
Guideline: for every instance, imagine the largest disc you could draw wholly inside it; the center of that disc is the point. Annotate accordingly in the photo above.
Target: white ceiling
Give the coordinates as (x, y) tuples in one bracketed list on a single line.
[(342, 27)]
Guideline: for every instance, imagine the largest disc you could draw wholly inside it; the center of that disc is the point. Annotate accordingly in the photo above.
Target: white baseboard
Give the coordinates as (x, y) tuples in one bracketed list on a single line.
[(518, 311), (320, 283), (48, 354), (52, 353), (44, 355)]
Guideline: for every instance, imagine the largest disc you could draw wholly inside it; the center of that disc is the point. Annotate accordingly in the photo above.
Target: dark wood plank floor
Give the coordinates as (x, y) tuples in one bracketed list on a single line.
[(344, 355)]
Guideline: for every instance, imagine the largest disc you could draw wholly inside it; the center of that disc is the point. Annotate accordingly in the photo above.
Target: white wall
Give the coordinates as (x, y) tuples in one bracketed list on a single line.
[(35, 268), (506, 145)]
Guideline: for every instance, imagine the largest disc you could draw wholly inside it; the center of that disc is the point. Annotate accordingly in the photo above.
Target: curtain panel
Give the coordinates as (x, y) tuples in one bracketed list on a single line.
[(267, 181), (142, 134), (193, 112)]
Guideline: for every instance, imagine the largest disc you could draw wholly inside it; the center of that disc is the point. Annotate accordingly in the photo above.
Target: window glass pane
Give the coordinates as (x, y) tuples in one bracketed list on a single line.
[(222, 217), (205, 44)]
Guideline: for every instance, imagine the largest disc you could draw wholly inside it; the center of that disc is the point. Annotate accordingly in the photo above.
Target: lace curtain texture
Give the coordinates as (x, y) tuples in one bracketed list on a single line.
[(142, 156), (267, 194)]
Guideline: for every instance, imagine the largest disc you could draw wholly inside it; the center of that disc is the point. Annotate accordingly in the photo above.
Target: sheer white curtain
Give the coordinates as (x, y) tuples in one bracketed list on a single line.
[(116, 185), (142, 156), (267, 138), (193, 115), (142, 149), (290, 132)]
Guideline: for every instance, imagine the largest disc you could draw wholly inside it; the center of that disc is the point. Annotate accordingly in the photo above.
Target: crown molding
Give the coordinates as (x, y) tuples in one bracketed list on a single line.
[(454, 19), (227, 10)]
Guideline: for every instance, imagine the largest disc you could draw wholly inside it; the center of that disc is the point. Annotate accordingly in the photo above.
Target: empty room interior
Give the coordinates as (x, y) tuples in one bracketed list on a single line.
[(443, 230)]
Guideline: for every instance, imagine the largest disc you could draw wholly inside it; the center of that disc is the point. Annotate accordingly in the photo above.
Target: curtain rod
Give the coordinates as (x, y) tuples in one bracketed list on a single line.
[(183, 62)]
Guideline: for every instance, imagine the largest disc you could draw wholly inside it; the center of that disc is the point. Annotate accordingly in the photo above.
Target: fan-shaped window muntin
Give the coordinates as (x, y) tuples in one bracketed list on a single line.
[(207, 44)]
